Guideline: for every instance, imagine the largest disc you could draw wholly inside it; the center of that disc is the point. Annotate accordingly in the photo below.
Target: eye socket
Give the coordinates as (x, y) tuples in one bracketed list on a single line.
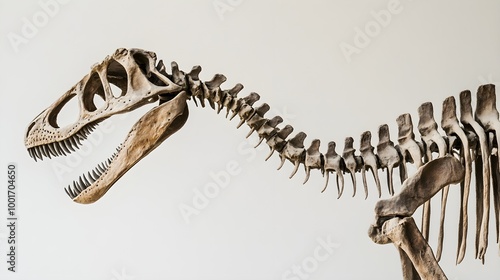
[(143, 63)]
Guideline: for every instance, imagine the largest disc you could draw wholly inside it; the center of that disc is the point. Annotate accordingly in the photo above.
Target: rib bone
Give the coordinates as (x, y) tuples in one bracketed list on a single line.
[(419, 188), (427, 127), (450, 125), (404, 234), (482, 164), (487, 116), (409, 147)]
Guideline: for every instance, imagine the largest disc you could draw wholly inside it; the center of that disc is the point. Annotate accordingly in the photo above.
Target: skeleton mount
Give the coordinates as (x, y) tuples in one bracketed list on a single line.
[(472, 139)]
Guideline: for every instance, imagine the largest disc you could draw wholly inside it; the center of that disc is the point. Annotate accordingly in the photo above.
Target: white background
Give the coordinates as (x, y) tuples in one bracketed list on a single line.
[(262, 223)]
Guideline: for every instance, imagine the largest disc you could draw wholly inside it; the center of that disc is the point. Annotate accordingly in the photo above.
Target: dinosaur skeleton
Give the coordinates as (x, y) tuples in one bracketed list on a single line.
[(472, 139)]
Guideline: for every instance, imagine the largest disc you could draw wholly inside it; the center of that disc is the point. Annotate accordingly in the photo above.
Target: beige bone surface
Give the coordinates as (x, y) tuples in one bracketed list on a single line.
[(483, 174), (394, 223), (427, 128), (449, 123), (404, 234), (420, 187)]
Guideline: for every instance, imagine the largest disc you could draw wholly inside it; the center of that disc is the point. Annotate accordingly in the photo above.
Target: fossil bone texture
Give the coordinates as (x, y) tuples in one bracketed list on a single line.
[(470, 144)]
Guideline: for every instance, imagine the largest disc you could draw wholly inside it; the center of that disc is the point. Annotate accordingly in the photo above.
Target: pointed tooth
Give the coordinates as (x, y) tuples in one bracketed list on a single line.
[(68, 192), (37, 152), (72, 142), (80, 136), (47, 150), (101, 168), (83, 184), (31, 153), (71, 192), (95, 176), (62, 148), (43, 149), (91, 178), (52, 149), (97, 172), (68, 145), (76, 188), (86, 181), (84, 131), (80, 188)]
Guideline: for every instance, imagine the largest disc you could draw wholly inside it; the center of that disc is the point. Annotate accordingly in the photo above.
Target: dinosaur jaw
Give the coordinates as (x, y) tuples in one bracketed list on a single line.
[(146, 134)]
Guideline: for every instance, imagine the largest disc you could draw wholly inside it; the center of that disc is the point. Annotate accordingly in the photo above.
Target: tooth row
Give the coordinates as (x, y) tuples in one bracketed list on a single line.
[(472, 138), (86, 180), (63, 147)]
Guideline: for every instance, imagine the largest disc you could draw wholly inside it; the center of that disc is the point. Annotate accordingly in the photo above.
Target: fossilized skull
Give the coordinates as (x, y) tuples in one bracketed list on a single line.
[(141, 81)]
